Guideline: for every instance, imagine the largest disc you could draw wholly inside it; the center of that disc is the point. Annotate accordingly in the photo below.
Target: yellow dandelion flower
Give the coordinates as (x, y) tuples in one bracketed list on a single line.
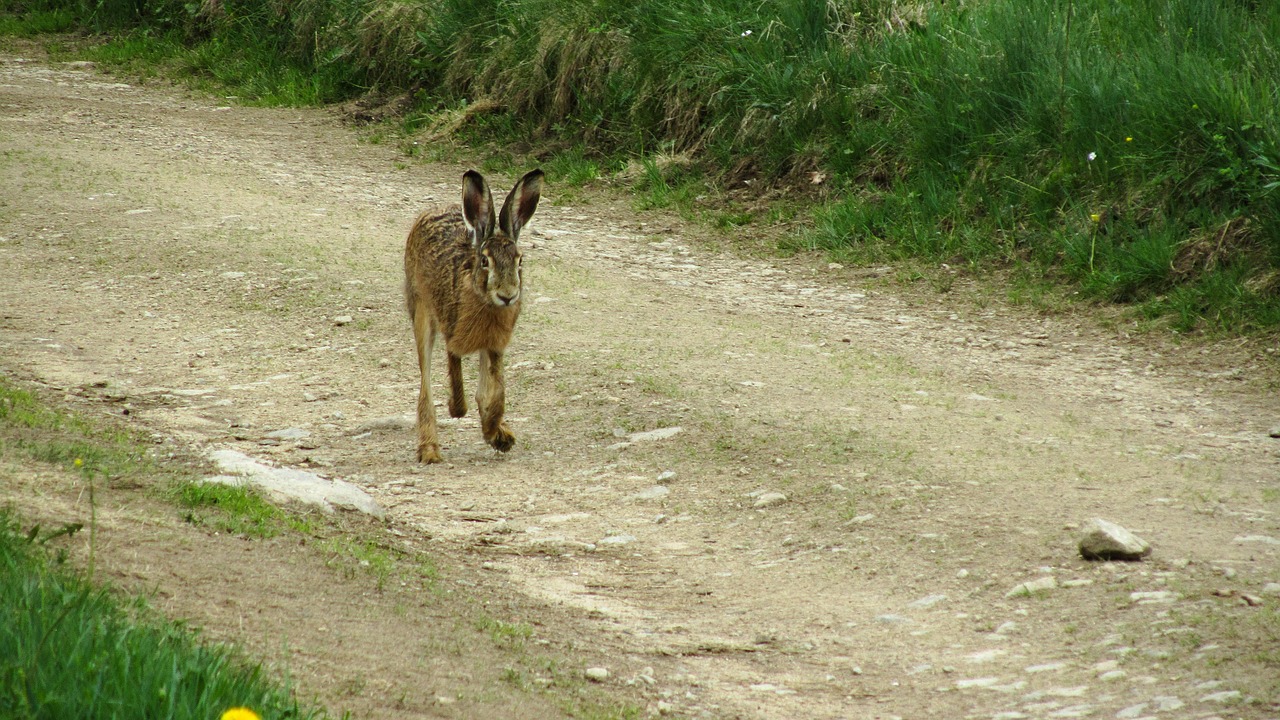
[(1128, 139), (79, 462), (1094, 217), (240, 713)]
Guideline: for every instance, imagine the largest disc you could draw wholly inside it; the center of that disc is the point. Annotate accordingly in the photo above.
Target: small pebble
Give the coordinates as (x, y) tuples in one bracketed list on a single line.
[(597, 674)]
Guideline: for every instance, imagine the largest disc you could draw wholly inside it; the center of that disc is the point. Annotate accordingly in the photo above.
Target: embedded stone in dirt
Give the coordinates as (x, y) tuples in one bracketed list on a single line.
[(597, 674), (769, 499), (657, 492), (1104, 540), (1032, 587), (328, 495), (289, 434)]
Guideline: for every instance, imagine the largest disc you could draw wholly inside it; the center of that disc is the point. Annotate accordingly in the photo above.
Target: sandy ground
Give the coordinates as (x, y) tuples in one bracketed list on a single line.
[(186, 259)]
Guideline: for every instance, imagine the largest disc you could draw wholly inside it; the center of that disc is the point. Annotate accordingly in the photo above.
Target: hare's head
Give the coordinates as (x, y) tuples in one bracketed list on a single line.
[(496, 271)]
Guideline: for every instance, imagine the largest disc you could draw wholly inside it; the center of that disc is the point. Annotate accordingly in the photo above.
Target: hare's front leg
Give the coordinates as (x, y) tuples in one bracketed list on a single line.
[(424, 335), (491, 399), (457, 398)]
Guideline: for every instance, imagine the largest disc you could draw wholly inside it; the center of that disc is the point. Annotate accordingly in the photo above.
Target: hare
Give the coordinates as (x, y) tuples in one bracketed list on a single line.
[(463, 278)]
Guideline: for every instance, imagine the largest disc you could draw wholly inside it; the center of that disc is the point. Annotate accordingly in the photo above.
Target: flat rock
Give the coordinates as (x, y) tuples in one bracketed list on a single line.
[(288, 434), (1103, 540), (1261, 539), (1033, 586), (287, 483), (926, 601), (657, 492), (769, 499)]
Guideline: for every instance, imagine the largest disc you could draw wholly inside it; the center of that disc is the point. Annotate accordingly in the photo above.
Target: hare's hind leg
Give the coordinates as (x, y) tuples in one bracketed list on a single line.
[(457, 397), (491, 400), (424, 335)]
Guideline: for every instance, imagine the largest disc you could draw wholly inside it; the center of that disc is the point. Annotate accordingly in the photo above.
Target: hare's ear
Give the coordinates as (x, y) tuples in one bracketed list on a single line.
[(520, 204), (477, 207)]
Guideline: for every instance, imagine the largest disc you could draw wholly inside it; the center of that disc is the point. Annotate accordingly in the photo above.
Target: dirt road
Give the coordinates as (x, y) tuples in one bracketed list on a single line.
[(854, 478)]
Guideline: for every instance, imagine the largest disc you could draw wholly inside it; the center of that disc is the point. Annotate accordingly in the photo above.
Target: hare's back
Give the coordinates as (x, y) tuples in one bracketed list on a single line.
[(439, 229)]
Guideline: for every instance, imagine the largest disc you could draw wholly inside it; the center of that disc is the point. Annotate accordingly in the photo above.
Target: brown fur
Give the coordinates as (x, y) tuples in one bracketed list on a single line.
[(463, 280)]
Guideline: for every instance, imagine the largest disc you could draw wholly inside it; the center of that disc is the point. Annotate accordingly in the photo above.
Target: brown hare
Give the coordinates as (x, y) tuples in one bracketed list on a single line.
[(462, 278)]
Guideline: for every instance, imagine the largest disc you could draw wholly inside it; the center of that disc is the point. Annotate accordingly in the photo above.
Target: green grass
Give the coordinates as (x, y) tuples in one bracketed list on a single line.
[(1130, 152), (70, 649), (31, 428), (235, 510)]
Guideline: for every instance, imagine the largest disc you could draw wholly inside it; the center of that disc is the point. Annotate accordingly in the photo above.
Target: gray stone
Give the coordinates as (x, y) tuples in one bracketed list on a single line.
[(769, 499), (1274, 432), (1222, 697), (1104, 540), (342, 320), (925, 602), (287, 483), (1033, 586), (1271, 589), (288, 434), (596, 674), (617, 540)]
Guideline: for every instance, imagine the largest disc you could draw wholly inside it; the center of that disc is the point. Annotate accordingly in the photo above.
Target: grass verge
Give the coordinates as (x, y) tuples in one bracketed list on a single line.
[(72, 649), (1129, 152)]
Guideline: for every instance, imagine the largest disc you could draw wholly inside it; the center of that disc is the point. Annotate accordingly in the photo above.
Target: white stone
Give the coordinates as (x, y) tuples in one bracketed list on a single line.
[(657, 492), (1259, 539), (328, 495), (596, 674)]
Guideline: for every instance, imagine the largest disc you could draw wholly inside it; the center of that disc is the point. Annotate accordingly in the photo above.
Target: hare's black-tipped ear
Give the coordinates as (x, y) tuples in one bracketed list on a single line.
[(477, 206), (520, 204)]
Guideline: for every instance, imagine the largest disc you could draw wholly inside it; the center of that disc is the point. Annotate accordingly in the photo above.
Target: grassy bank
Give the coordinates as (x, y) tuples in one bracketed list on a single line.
[(1130, 151), (70, 649)]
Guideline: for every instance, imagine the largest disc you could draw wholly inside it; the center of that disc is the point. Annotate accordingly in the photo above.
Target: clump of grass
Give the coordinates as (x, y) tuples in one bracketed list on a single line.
[(69, 649), (235, 509)]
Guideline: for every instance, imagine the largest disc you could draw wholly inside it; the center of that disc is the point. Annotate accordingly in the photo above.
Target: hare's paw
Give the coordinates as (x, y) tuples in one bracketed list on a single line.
[(429, 453), (502, 440), (457, 406)]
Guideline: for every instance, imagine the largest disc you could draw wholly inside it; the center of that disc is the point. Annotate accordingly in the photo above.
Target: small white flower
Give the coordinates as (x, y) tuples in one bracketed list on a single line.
[(746, 33), (1092, 156)]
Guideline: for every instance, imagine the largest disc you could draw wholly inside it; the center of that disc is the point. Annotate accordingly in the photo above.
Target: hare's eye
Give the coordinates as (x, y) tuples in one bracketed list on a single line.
[(484, 261)]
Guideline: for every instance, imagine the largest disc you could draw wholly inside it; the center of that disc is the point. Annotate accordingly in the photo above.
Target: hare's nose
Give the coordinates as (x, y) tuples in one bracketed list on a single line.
[(506, 299)]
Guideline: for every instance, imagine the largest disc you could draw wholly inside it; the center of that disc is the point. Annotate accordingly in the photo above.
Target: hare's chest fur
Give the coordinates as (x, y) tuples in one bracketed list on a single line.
[(480, 326)]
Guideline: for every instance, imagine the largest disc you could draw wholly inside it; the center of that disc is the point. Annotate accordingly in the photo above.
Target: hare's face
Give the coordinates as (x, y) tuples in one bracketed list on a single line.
[(498, 275)]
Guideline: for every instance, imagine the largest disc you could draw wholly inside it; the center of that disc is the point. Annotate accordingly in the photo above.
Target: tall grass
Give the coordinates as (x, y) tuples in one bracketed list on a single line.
[(1132, 149), (69, 649)]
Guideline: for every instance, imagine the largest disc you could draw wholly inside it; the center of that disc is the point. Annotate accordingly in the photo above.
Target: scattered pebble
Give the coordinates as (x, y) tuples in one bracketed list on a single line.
[(342, 320), (597, 674)]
